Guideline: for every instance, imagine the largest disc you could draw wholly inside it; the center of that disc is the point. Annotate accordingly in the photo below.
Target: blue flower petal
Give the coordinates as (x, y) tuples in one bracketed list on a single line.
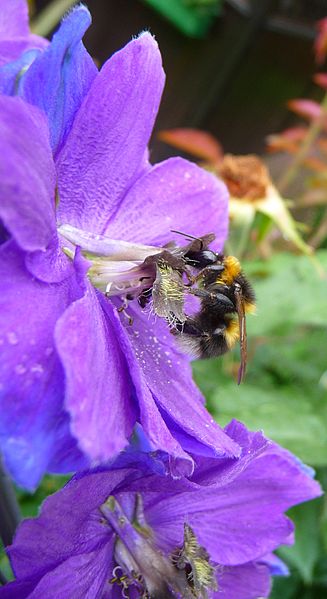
[(10, 73), (34, 427), (60, 77)]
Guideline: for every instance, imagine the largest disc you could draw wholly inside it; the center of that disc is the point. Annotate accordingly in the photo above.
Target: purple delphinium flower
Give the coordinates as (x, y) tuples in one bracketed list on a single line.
[(124, 527), (15, 36), (75, 375)]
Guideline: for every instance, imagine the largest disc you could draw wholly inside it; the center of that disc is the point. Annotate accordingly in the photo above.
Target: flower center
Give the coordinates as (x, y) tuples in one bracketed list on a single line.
[(131, 270), (141, 567)]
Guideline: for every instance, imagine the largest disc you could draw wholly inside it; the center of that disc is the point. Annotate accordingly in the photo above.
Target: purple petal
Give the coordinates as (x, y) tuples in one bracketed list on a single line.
[(276, 566), (99, 394), (175, 194), (52, 266), (66, 456), (14, 18), (105, 149), (248, 581), (154, 426), (60, 77), (167, 374), (10, 50), (209, 472), (27, 204), (77, 505), (249, 521), (32, 424), (15, 37), (19, 589), (70, 524), (152, 376), (306, 487), (80, 576)]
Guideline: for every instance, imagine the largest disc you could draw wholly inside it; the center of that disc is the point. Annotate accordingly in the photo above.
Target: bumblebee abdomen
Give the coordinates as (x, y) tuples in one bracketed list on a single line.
[(211, 346), (207, 336), (218, 340)]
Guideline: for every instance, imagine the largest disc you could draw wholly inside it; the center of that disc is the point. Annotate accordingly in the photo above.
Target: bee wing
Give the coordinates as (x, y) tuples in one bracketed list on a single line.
[(168, 293), (243, 338), (196, 244)]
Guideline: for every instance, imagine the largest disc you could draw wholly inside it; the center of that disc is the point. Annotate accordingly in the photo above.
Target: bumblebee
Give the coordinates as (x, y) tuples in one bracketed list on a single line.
[(225, 295), (226, 298)]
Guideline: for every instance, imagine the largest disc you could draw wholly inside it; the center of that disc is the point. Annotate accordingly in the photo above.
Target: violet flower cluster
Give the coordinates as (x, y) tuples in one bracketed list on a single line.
[(165, 503), (125, 528)]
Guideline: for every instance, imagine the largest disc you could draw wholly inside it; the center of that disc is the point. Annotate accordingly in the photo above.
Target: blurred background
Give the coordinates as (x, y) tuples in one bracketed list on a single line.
[(240, 81), (231, 65)]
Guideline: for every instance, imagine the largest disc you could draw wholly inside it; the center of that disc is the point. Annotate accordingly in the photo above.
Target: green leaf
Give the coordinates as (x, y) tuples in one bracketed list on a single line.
[(288, 419), (324, 537), (191, 17), (5, 565), (286, 588), (290, 291), (305, 553), (282, 393), (321, 570), (283, 590)]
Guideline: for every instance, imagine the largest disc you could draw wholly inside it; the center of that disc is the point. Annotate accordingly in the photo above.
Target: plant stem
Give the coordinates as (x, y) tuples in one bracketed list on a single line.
[(308, 141), (9, 509), (242, 245), (319, 235), (50, 16)]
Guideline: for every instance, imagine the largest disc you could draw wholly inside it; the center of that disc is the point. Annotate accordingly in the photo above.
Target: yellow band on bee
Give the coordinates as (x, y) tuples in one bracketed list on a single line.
[(232, 332), (249, 307), (232, 269)]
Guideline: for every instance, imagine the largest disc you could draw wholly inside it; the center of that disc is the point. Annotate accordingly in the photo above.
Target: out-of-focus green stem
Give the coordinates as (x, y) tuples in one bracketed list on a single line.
[(242, 245), (50, 16), (308, 141), (320, 234), (9, 508), (3, 579)]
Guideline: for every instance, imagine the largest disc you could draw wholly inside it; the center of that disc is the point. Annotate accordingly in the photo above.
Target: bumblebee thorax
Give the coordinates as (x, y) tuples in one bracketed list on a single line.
[(232, 269)]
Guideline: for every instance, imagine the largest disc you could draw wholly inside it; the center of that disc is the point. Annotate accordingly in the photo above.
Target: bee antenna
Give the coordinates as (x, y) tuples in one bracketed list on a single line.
[(187, 236)]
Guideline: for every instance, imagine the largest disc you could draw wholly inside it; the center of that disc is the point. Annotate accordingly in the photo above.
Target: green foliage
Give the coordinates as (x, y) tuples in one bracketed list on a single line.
[(290, 291), (285, 394), (307, 559), (191, 17), (4, 564)]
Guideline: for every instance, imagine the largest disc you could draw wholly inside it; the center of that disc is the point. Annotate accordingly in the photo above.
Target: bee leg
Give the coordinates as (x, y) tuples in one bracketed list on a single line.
[(212, 268), (145, 297), (122, 309), (218, 299), (191, 279), (187, 328), (202, 293)]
